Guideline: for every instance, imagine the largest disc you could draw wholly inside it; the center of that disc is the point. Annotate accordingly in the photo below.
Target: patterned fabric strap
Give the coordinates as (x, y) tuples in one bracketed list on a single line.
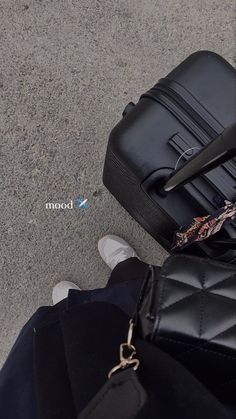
[(203, 227)]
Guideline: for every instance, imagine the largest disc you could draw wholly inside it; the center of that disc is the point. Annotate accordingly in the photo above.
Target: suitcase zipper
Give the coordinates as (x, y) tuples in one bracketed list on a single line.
[(173, 101), (181, 110), (178, 99)]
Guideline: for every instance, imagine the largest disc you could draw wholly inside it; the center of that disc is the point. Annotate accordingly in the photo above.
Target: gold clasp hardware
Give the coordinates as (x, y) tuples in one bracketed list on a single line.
[(127, 352)]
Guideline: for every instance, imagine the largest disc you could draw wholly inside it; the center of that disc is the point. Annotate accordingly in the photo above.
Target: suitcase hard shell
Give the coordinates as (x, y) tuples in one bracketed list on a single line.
[(175, 119)]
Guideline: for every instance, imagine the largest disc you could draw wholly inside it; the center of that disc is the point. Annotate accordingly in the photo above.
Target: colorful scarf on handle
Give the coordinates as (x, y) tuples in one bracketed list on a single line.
[(201, 228)]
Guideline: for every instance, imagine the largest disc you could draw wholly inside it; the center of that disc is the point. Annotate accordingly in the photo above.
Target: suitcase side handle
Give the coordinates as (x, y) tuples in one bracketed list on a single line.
[(217, 152)]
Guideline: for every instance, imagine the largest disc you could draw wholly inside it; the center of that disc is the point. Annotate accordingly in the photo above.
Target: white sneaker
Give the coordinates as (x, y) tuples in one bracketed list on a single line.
[(114, 249), (61, 290)]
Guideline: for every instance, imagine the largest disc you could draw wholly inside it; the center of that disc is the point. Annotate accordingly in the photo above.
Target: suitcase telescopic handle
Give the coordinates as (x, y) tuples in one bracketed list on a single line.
[(217, 152)]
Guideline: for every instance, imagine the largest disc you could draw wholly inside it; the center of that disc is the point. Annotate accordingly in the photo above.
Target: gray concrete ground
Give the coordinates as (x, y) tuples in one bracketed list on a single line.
[(67, 69)]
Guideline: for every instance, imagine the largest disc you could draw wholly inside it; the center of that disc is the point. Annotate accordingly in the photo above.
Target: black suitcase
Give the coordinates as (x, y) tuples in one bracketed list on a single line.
[(167, 130)]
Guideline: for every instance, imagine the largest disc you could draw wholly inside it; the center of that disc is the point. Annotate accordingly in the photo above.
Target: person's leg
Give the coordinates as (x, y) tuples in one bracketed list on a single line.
[(122, 259), (119, 256), (132, 268)]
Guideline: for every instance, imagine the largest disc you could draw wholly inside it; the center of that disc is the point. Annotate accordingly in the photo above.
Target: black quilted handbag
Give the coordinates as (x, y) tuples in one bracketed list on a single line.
[(189, 311)]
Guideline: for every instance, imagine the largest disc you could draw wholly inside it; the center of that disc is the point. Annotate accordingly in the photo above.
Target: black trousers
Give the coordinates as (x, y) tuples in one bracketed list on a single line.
[(17, 381), (129, 269)]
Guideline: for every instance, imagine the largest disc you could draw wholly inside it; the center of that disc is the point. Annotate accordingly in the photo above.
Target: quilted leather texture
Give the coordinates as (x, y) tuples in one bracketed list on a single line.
[(196, 320)]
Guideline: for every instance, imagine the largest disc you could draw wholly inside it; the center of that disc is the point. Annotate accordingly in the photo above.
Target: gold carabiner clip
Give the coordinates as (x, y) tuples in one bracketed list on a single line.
[(127, 353)]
